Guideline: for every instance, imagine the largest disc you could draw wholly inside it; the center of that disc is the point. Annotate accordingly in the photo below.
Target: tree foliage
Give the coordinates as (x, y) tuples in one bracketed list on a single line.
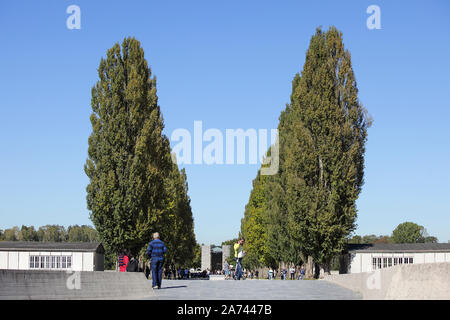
[(135, 189), (51, 233), (308, 208), (408, 232)]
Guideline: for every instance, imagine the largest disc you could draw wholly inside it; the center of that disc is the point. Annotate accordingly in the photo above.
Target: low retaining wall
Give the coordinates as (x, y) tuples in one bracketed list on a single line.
[(61, 285), (415, 281)]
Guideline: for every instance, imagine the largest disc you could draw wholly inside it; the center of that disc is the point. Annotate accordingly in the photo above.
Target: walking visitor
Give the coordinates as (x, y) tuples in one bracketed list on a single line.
[(156, 250)]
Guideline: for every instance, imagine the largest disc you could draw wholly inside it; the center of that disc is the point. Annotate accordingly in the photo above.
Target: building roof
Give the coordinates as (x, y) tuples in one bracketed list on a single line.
[(51, 246), (399, 247)]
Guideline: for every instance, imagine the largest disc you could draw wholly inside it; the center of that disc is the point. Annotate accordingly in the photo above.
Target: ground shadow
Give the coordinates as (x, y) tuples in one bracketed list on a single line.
[(173, 287)]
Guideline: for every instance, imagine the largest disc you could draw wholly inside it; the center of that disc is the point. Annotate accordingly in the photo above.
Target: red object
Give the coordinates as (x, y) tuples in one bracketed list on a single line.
[(123, 267)]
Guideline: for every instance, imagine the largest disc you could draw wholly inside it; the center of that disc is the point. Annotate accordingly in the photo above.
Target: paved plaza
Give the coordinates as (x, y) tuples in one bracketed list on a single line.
[(253, 289)]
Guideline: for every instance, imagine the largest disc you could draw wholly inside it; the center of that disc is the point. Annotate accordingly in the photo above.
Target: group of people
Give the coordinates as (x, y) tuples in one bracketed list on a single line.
[(156, 251), (127, 262), (272, 273), (239, 273)]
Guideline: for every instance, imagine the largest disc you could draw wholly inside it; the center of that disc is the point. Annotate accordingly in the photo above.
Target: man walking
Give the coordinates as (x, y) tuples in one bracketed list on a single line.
[(239, 255), (156, 250)]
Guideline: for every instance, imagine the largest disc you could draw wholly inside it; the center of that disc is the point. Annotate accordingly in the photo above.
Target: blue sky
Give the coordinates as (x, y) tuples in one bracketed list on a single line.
[(229, 64)]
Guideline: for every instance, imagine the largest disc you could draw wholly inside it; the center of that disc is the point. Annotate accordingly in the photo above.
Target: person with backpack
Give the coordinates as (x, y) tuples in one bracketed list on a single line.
[(156, 250)]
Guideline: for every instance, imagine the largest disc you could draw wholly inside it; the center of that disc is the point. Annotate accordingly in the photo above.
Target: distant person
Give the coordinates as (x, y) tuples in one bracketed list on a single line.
[(147, 271), (239, 255), (156, 250), (133, 264), (123, 261), (270, 272), (302, 272), (226, 269), (257, 274), (292, 272), (283, 274)]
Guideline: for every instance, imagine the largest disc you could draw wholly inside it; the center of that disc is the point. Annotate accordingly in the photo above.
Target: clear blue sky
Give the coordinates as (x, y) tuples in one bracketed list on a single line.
[(229, 64)]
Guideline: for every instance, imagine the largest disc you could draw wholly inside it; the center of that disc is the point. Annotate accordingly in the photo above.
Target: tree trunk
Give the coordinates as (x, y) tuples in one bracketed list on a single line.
[(309, 272), (316, 270)]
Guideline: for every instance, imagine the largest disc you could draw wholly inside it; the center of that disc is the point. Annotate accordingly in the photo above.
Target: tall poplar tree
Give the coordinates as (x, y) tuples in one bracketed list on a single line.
[(128, 155), (324, 159)]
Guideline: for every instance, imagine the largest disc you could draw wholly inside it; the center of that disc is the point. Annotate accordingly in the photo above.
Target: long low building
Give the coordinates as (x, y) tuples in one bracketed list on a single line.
[(369, 257), (28, 255)]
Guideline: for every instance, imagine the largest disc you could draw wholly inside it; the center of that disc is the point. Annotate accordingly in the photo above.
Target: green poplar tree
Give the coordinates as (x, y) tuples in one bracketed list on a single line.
[(128, 155), (324, 154)]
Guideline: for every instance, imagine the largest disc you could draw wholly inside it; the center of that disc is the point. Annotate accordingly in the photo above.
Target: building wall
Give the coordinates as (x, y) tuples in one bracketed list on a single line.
[(3, 260), (20, 260), (362, 262)]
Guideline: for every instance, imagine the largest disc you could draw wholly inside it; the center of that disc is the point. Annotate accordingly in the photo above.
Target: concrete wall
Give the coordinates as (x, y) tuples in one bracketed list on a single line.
[(206, 257), (226, 252), (414, 281), (40, 284)]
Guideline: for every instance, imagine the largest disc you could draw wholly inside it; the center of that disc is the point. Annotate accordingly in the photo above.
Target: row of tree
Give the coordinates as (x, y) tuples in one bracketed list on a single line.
[(406, 232), (135, 188), (50, 233), (307, 209)]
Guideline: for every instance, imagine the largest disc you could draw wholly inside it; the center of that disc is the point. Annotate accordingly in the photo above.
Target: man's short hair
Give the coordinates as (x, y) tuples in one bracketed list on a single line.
[(156, 235)]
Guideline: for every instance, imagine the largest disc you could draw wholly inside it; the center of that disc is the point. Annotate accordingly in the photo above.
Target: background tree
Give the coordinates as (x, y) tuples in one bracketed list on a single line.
[(128, 155), (431, 239), (28, 234), (197, 260), (82, 233), (177, 226), (383, 239), (230, 242), (52, 233), (254, 227), (11, 234), (408, 232)]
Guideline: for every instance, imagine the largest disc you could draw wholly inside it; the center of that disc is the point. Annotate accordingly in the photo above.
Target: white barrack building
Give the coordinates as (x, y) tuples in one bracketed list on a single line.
[(30, 255), (369, 257)]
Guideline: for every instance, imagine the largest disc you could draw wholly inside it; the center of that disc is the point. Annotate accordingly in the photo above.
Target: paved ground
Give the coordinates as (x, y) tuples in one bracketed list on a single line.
[(253, 289)]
